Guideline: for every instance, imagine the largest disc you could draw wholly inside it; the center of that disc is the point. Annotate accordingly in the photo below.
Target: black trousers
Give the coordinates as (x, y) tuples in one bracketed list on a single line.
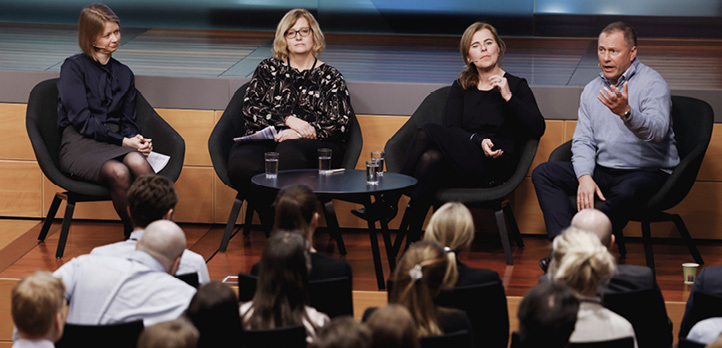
[(625, 190)]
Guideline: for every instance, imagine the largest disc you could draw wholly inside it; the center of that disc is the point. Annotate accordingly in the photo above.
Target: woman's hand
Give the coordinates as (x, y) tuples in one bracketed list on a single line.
[(143, 145), (486, 145), (303, 128), (287, 134), (499, 82)]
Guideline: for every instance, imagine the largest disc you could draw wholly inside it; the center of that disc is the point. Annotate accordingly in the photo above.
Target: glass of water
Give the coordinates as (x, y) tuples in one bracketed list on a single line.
[(271, 164), (379, 155), (372, 176), (324, 161)]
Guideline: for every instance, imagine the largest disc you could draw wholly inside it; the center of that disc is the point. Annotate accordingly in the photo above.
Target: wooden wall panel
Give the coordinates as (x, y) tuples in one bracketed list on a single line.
[(526, 209), (195, 127), (223, 197), (6, 320), (195, 195), (377, 130), (15, 140), (84, 210), (553, 137), (711, 169), (569, 127), (20, 188)]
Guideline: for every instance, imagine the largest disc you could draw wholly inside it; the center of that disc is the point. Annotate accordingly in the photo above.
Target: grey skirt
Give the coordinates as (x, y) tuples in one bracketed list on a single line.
[(82, 157)]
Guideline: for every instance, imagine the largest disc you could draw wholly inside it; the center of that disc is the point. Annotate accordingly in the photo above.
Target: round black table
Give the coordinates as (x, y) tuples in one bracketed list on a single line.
[(347, 185)]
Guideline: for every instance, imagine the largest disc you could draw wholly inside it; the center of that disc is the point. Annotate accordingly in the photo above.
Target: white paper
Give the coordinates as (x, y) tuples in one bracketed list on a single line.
[(268, 133), (157, 161)]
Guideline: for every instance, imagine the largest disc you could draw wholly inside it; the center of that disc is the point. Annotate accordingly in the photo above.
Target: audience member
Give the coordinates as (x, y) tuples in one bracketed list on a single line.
[(706, 331), (214, 312), (108, 290), (392, 326), (177, 333), (295, 209), (709, 281), (716, 344), (38, 310), (581, 262), (343, 332), (151, 198), (281, 295), (547, 316), (452, 227)]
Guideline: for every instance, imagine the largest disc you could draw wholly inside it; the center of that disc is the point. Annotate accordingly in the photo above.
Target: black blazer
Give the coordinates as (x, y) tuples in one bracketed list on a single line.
[(323, 267), (709, 281)]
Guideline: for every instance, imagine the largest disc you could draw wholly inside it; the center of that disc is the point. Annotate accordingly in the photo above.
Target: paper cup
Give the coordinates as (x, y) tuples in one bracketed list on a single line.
[(690, 272)]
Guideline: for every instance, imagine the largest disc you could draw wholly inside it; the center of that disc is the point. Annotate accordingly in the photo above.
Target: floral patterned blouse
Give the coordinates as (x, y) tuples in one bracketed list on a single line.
[(275, 88)]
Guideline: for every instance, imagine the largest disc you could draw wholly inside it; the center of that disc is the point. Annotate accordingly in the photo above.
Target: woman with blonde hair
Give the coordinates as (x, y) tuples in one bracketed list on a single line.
[(303, 98), (581, 262), (452, 227)]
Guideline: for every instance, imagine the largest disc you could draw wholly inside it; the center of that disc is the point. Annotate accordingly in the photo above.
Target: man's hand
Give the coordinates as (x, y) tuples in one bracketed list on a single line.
[(303, 128), (615, 99), (585, 192), (486, 145)]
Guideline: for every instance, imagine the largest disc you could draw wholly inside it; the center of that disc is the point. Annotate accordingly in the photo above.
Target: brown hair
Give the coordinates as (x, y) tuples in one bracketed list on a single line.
[(214, 312), (294, 209), (392, 326), (179, 333), (91, 24), (150, 198), (280, 49), (469, 77), (419, 277), (36, 300), (452, 227), (343, 332), (630, 35)]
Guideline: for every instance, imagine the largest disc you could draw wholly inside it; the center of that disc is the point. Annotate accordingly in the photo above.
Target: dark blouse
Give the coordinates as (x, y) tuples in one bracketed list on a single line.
[(479, 114), (275, 88), (91, 94)]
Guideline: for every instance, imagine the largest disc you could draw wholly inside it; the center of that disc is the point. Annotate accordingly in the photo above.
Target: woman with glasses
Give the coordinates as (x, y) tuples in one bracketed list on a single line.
[(305, 100)]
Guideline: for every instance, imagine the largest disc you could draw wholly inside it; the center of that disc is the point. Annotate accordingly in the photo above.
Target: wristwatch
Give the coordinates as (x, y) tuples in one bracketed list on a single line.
[(627, 115)]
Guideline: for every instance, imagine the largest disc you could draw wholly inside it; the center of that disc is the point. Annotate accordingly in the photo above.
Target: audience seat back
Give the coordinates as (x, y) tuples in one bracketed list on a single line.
[(123, 335)]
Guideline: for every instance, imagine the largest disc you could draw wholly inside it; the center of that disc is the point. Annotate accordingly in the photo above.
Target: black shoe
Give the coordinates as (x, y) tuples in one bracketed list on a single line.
[(544, 263), (379, 210)]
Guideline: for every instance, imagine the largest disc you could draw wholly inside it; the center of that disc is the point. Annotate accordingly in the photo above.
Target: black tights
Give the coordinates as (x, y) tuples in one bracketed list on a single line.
[(117, 176)]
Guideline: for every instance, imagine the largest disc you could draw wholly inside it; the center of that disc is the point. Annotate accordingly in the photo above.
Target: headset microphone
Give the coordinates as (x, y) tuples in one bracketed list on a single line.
[(100, 46)]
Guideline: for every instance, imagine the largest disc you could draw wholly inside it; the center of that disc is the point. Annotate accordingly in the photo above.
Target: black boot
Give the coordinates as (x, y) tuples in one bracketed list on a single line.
[(384, 209)]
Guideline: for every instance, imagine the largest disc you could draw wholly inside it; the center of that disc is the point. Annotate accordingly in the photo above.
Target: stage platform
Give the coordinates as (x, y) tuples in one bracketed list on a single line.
[(387, 74)]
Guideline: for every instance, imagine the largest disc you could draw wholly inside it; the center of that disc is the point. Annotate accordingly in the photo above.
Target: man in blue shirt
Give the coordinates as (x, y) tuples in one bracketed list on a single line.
[(623, 147)]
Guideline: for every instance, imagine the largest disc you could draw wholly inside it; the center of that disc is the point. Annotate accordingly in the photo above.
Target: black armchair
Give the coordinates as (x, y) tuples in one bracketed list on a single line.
[(42, 127), (123, 335), (626, 342), (432, 109), (705, 306), (458, 339), (646, 312), (289, 337), (692, 121), (230, 125)]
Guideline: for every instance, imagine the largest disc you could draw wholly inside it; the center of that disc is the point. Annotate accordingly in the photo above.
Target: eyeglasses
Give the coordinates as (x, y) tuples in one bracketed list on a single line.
[(305, 31)]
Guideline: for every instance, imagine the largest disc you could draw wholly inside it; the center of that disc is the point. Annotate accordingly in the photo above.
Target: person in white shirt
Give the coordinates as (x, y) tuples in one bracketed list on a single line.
[(38, 310), (107, 290), (151, 198)]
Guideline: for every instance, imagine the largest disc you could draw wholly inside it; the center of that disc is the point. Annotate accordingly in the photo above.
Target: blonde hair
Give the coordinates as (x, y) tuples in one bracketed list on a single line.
[(419, 277), (451, 226), (280, 48), (580, 261), (469, 77), (179, 333), (91, 24), (36, 300)]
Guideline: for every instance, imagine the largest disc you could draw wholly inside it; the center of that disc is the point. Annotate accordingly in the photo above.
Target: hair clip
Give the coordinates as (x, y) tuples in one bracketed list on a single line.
[(415, 273), (449, 250)]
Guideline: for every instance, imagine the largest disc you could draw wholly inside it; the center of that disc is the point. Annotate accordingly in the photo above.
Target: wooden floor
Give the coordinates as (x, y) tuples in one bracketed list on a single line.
[(23, 255), (685, 63)]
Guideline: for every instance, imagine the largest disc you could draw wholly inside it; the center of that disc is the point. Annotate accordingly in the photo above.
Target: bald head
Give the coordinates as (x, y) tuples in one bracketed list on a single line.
[(593, 220), (163, 240)]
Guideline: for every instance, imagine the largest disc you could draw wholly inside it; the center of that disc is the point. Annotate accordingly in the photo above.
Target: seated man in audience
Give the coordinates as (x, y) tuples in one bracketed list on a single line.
[(106, 290), (623, 147), (179, 333), (706, 331), (547, 316), (151, 198), (38, 310), (709, 281)]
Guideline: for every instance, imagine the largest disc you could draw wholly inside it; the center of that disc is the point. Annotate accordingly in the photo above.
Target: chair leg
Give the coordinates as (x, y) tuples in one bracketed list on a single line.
[(332, 224), (647, 239), (67, 219), (235, 210), (682, 228), (248, 220), (51, 216), (509, 213), (504, 236), (619, 237)]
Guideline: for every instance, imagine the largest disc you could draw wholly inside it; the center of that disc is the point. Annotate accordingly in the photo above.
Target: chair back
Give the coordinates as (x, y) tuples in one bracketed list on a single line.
[(705, 306), (354, 144), (190, 279), (458, 339), (166, 140), (685, 343), (111, 336), (692, 121), (287, 337), (332, 296), (626, 342), (432, 109), (647, 314), (246, 287), (230, 125), (485, 306)]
